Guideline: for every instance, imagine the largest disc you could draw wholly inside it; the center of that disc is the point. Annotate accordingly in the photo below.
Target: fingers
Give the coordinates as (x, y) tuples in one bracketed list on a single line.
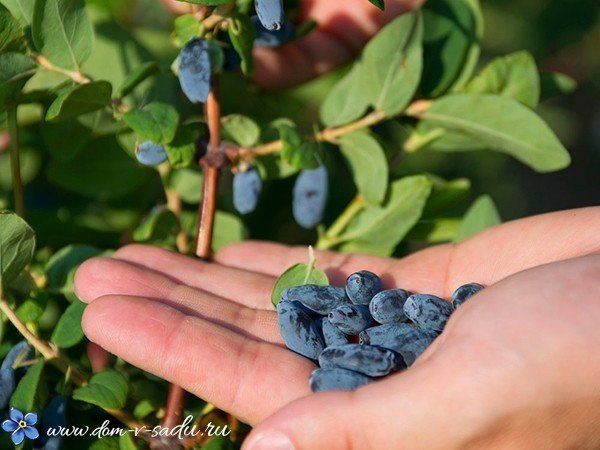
[(247, 378), (487, 257), (237, 284), (250, 289), (99, 277)]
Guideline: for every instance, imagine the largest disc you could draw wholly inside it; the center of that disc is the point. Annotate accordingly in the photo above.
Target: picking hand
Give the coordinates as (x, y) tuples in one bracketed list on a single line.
[(517, 365)]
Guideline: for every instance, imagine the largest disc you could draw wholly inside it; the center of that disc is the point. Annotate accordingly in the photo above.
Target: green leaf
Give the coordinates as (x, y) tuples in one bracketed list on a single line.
[(554, 83), (435, 231), (383, 227), (296, 150), (91, 172), (379, 3), (106, 389), (159, 227), (346, 101), (79, 100), (11, 32), (31, 391), (64, 262), (242, 35), (22, 10), (187, 183), (136, 77), (64, 139), (445, 195), (62, 32), (497, 123), (451, 40), (32, 308), (297, 275), (392, 62), (68, 332), (481, 215), (229, 228), (272, 167), (368, 165), (126, 442), (186, 27), (17, 244), (515, 76), (15, 70), (240, 129), (156, 122), (182, 148)]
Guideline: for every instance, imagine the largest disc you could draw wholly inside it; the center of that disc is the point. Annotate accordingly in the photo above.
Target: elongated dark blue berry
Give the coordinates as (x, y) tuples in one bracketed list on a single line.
[(362, 286), (247, 187), (332, 335), (351, 319), (150, 154), (195, 70), (378, 335), (464, 292), (270, 13), (388, 306), (321, 299), (299, 330), (365, 359), (310, 197), (428, 311), (322, 380), (272, 38), (411, 344), (7, 385)]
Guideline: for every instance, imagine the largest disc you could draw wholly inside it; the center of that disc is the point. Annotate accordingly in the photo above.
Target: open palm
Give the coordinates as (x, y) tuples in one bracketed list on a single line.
[(507, 353)]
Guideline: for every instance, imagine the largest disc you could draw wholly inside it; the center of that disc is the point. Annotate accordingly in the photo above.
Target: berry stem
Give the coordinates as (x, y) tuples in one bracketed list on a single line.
[(331, 236), (15, 161)]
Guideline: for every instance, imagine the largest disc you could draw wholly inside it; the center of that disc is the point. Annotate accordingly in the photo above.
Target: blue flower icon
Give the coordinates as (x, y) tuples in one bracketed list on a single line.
[(20, 426)]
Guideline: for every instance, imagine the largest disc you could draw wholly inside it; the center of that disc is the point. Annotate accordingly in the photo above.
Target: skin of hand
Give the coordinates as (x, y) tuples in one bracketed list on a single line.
[(518, 365), (343, 29)]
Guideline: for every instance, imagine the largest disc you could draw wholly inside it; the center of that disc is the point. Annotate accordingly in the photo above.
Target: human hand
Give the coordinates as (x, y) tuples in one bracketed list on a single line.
[(517, 366), (343, 29)]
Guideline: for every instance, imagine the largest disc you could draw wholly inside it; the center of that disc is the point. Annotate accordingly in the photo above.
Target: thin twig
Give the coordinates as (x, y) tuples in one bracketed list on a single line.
[(15, 161), (74, 75), (327, 135)]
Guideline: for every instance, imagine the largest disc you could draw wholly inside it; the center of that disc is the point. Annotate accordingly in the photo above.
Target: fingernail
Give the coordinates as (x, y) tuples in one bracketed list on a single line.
[(269, 441)]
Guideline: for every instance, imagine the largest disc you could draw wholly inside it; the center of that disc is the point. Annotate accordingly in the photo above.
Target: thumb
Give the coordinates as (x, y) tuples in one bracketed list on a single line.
[(402, 411)]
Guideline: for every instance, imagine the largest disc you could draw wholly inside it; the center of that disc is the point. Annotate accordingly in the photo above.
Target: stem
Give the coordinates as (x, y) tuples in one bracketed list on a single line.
[(327, 135), (74, 75), (331, 236), (15, 161), (54, 357), (211, 163)]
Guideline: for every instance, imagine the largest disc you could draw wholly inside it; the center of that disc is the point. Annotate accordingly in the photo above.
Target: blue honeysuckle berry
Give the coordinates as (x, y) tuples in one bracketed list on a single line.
[(270, 13), (362, 286), (387, 306), (465, 292), (337, 379), (366, 359), (351, 319), (428, 311), (247, 187), (195, 70), (151, 154), (321, 299), (299, 331), (310, 197), (21, 426)]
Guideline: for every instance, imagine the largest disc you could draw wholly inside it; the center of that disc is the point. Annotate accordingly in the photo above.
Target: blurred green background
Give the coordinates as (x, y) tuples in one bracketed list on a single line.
[(563, 36)]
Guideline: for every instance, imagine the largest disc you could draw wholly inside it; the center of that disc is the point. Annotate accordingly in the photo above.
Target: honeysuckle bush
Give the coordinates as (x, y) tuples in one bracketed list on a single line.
[(79, 95)]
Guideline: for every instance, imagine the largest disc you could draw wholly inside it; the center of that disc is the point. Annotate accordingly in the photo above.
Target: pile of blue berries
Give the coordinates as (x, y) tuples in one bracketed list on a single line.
[(393, 327)]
